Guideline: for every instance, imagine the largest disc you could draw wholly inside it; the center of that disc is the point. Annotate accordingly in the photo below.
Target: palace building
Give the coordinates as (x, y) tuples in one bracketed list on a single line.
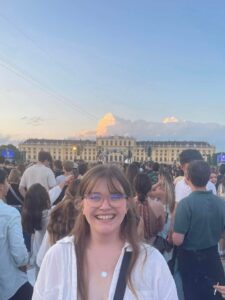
[(115, 149)]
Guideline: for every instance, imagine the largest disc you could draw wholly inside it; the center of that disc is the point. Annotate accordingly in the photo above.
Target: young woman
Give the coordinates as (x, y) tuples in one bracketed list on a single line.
[(61, 220), (151, 211), (87, 264), (35, 214)]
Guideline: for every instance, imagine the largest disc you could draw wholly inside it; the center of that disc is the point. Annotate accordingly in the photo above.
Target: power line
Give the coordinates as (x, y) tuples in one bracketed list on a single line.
[(28, 78), (28, 37)]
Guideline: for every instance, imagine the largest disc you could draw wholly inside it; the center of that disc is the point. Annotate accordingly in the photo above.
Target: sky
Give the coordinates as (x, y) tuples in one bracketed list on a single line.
[(67, 67)]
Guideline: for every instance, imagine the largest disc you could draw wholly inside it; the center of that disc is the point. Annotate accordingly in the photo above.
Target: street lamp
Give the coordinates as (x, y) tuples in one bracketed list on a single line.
[(74, 151)]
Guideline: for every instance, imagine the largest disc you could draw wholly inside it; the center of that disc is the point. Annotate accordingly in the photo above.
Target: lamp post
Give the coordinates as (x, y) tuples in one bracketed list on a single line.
[(74, 152)]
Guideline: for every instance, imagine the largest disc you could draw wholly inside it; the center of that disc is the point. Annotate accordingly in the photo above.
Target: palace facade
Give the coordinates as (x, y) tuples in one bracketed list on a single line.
[(115, 149)]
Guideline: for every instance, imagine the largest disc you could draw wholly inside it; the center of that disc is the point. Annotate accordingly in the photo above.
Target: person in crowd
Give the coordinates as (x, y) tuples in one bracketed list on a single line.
[(35, 214), (14, 284), (82, 167), (131, 171), (182, 189), (221, 188), (221, 194), (154, 173), (38, 173), (13, 196), (213, 177), (87, 264), (57, 167), (168, 200), (69, 169), (21, 168), (151, 211), (219, 288), (61, 220), (221, 174), (199, 224)]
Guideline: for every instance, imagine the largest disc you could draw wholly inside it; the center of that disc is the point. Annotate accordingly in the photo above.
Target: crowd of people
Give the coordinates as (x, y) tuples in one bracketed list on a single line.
[(136, 231)]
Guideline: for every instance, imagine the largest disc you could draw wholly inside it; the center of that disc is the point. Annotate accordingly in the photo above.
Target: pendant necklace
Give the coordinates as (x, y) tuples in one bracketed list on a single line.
[(104, 274)]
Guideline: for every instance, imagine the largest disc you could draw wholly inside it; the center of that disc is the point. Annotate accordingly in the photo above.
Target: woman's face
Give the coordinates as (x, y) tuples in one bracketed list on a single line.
[(104, 210)]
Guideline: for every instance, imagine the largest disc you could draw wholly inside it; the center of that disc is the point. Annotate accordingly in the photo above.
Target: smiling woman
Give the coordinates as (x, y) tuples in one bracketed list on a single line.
[(104, 247)]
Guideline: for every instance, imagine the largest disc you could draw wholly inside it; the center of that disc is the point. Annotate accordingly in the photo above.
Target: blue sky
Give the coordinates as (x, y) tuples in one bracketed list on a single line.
[(65, 64)]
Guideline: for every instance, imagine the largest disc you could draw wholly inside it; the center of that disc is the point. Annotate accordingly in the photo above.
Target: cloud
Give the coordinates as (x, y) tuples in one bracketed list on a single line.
[(33, 121), (103, 125), (8, 139), (172, 129)]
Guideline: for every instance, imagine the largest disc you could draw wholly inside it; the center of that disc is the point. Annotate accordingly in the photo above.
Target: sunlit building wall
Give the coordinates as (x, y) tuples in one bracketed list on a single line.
[(115, 149)]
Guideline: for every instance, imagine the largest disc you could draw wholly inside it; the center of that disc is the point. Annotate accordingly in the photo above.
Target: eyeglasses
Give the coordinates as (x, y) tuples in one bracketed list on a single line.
[(96, 199)]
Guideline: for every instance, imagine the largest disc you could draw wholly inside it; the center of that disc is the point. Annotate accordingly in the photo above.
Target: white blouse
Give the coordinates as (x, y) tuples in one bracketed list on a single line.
[(57, 279)]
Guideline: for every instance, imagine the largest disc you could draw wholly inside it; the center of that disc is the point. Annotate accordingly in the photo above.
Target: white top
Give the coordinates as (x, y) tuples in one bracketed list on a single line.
[(182, 189), (38, 173), (57, 279), (45, 245), (61, 178)]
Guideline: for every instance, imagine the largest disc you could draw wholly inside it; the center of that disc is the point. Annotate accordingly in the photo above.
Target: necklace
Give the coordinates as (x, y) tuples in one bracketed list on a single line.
[(104, 274)]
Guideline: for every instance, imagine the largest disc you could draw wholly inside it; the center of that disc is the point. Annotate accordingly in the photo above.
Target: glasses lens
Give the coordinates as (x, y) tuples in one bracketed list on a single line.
[(116, 197), (94, 197)]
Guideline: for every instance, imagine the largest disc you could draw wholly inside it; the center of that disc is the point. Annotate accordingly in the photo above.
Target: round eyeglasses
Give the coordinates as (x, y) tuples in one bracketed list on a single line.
[(96, 199)]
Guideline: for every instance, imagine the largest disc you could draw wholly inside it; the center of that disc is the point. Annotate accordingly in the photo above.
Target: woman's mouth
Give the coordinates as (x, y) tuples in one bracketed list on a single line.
[(105, 217)]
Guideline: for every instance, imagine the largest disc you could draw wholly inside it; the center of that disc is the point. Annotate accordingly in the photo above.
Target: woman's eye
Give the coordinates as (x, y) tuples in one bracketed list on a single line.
[(116, 196), (95, 197)]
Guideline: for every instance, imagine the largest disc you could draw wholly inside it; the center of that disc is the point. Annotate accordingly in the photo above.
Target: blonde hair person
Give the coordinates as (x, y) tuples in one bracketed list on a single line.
[(14, 176), (13, 196), (86, 265)]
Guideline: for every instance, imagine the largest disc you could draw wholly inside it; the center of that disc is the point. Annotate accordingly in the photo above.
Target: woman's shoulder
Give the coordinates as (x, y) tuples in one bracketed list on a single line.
[(151, 255), (60, 251)]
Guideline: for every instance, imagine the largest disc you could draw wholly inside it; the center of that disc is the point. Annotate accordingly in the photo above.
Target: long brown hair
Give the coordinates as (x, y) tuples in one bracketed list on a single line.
[(35, 202), (168, 187), (82, 229), (152, 223), (63, 215)]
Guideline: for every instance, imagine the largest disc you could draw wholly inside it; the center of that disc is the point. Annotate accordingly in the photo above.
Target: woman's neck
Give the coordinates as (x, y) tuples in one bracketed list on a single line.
[(105, 241)]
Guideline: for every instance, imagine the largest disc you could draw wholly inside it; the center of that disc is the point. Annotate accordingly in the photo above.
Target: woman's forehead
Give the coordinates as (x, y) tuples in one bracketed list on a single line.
[(110, 184)]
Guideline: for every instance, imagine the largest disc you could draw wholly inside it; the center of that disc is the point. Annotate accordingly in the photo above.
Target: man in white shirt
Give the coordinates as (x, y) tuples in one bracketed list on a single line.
[(182, 189), (38, 173)]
